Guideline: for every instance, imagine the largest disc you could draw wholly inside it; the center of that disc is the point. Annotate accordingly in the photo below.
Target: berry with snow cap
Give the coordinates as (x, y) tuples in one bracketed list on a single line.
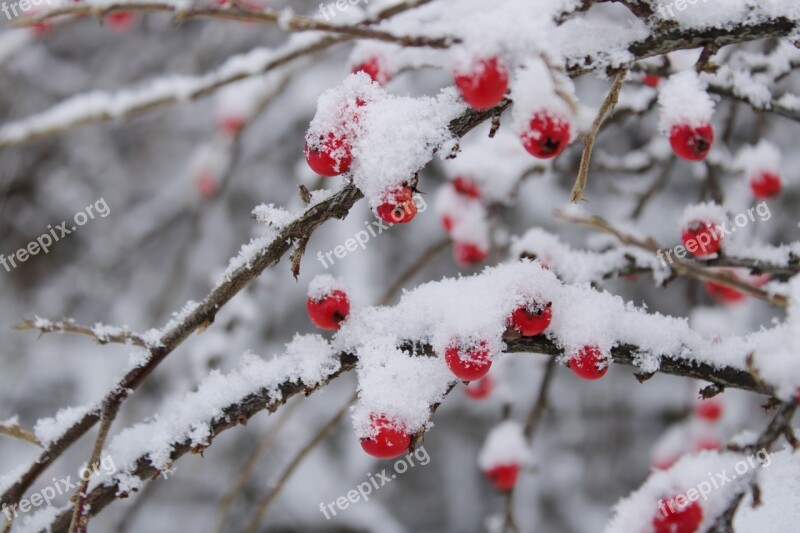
[(672, 518), (547, 135), (532, 320), (375, 68), (399, 208), (691, 142), (468, 362), (701, 238), (586, 363), (388, 440), (328, 305), (469, 254), (766, 185), (329, 155), (484, 85)]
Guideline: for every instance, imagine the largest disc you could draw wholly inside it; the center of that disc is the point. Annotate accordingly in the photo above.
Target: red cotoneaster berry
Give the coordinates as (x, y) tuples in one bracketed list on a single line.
[(701, 238), (478, 390), (468, 364), (389, 440), (400, 209), (330, 157), (375, 69), (690, 142), (469, 254), (120, 20), (651, 80), (532, 322), (584, 363), (547, 135), (766, 185), (467, 187), (503, 477), (677, 519), (485, 85), (710, 409), (329, 312), (723, 293)]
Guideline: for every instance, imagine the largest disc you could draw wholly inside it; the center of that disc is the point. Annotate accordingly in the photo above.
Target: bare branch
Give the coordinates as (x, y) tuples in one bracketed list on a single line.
[(100, 333)]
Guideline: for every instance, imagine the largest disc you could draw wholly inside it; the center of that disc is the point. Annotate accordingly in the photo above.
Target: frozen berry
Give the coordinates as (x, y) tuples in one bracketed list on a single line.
[(723, 293), (480, 389), (330, 311), (503, 477), (469, 254), (485, 85), (532, 321), (388, 440), (710, 409), (375, 69), (584, 363), (330, 156), (690, 142), (672, 518), (468, 364), (766, 185), (701, 238), (467, 187), (547, 135), (400, 208)]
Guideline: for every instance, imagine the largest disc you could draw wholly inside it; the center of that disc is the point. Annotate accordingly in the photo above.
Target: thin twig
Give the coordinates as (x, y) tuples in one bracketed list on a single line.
[(588, 141), (16, 432), (67, 325)]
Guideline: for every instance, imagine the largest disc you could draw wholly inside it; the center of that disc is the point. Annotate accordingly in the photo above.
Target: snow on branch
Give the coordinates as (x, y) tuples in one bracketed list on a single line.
[(101, 333)]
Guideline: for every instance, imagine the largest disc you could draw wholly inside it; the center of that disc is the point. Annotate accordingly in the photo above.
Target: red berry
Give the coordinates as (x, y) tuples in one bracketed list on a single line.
[(691, 143), (388, 440), (547, 135), (532, 322), (478, 390), (120, 20), (766, 185), (652, 80), (672, 518), (447, 223), (330, 157), (467, 187), (710, 409), (485, 85), (584, 363), (701, 238), (401, 209), (468, 364), (503, 477), (468, 254), (231, 125), (375, 69), (330, 311), (723, 293)]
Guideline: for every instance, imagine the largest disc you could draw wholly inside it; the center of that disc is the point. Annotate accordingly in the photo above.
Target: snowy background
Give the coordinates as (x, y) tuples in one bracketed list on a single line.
[(149, 137)]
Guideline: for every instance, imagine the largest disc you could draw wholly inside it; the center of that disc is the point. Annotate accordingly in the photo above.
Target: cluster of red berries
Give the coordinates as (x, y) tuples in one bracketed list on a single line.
[(466, 253)]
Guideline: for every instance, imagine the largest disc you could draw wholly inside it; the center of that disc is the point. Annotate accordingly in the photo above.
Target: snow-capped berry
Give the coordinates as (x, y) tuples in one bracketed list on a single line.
[(701, 238), (468, 364), (651, 80), (723, 293), (485, 85), (671, 518), (710, 409), (469, 254), (584, 363), (480, 389), (329, 156), (503, 477), (375, 69), (532, 321), (399, 208), (467, 187), (766, 185), (329, 311), (388, 440), (691, 142), (120, 20), (547, 135)]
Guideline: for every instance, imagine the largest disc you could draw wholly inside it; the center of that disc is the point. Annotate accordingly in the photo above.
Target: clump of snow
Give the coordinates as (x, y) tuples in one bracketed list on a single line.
[(272, 215), (683, 100), (704, 212), (467, 216), (505, 445), (533, 91), (763, 157), (323, 285), (49, 430)]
